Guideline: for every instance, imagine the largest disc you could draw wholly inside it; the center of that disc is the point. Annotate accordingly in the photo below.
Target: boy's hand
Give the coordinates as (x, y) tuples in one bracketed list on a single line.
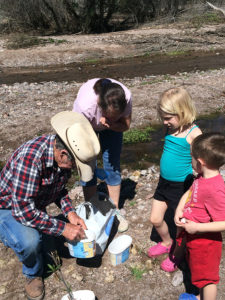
[(178, 216), (191, 227)]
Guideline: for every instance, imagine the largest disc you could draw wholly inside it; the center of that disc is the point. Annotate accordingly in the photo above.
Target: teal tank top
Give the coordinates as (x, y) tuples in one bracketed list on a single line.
[(175, 163)]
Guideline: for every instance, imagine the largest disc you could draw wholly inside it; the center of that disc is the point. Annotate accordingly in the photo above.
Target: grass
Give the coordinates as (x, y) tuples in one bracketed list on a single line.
[(40, 132), (207, 18), (53, 41), (132, 203), (56, 269), (147, 54), (92, 61), (26, 41), (177, 53), (2, 164), (137, 272), (133, 136)]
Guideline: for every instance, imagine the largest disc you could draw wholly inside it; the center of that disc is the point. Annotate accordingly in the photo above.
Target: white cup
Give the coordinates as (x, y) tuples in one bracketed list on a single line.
[(81, 295)]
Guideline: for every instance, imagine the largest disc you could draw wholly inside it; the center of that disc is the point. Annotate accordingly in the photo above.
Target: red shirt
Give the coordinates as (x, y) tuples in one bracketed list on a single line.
[(206, 200), (30, 181)]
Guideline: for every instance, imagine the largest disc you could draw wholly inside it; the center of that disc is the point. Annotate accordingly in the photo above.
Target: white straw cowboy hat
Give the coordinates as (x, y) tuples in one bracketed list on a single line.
[(78, 135)]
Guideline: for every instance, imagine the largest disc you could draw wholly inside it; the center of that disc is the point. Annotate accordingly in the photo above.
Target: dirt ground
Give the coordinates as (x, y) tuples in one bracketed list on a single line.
[(38, 82)]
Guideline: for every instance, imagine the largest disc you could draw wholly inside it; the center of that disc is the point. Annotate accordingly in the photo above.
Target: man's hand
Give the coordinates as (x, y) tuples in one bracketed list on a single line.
[(76, 220), (75, 229), (73, 232)]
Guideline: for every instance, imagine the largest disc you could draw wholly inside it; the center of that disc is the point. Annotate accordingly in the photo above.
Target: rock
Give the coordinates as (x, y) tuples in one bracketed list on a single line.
[(77, 276), (134, 249), (109, 278), (148, 264), (143, 172), (222, 172), (134, 178), (149, 196), (2, 263), (69, 269), (76, 192), (2, 290), (136, 173), (177, 278)]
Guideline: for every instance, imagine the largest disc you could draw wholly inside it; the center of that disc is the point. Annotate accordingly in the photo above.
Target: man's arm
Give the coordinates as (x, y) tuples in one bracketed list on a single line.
[(26, 182), (75, 229)]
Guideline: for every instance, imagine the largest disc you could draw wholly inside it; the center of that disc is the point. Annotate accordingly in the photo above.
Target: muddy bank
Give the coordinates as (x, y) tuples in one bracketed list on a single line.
[(117, 68), (142, 155)]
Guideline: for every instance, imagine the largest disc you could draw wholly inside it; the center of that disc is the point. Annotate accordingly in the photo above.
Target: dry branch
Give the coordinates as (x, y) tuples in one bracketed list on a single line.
[(216, 8)]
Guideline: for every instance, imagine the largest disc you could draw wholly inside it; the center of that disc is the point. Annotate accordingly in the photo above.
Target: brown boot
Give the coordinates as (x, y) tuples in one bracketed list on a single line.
[(34, 288)]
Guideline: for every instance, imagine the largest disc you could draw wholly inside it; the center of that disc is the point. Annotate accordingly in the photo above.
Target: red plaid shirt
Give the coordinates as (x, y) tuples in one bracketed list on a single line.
[(30, 181)]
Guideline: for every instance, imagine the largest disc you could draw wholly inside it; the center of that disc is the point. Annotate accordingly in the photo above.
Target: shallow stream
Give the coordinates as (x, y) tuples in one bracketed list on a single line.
[(143, 155)]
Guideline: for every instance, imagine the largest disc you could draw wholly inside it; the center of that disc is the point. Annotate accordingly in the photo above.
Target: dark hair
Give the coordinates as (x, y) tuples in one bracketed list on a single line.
[(111, 95), (211, 148), (61, 146)]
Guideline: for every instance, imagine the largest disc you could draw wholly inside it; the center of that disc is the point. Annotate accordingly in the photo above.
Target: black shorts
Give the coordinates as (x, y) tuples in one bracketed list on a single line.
[(171, 191)]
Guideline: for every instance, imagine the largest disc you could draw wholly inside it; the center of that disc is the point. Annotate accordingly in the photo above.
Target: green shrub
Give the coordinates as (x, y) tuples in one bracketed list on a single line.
[(207, 18), (137, 272), (133, 136)]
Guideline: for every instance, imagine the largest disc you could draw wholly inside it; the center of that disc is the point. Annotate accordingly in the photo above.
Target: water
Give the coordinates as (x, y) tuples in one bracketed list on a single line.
[(143, 155)]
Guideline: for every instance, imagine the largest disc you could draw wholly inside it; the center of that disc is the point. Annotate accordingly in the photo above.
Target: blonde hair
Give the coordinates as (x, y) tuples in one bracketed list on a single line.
[(177, 101)]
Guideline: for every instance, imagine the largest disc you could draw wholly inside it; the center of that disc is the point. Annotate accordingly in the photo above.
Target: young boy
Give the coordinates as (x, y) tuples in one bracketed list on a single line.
[(204, 202)]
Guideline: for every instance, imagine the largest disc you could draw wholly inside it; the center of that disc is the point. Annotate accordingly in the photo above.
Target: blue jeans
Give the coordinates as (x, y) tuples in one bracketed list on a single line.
[(25, 242), (111, 146)]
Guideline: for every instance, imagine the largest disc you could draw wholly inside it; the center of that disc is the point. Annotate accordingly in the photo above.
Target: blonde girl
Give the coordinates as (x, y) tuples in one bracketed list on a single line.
[(177, 111)]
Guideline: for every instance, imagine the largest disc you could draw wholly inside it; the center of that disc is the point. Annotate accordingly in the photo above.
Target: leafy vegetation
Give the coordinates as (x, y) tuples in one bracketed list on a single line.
[(25, 41), (133, 136), (73, 16), (207, 18), (177, 53), (92, 60), (137, 272), (56, 269), (132, 203)]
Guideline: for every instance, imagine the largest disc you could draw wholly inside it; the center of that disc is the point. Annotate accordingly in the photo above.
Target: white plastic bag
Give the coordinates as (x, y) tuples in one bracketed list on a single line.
[(99, 220)]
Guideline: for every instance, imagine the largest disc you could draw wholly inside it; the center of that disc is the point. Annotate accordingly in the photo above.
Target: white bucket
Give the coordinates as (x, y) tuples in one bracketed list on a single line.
[(81, 295), (119, 249), (85, 248)]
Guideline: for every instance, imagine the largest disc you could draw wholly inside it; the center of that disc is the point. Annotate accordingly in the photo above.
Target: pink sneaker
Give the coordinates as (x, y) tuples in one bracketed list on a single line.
[(168, 265), (158, 249)]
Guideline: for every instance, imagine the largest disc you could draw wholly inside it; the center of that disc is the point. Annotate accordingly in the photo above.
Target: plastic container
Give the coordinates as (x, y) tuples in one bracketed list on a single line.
[(81, 295), (119, 249), (85, 248)]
